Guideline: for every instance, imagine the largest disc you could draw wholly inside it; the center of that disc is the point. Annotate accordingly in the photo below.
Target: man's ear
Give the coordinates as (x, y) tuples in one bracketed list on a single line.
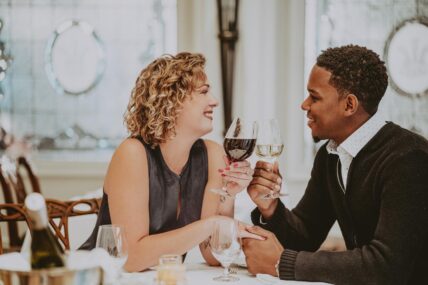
[(351, 104)]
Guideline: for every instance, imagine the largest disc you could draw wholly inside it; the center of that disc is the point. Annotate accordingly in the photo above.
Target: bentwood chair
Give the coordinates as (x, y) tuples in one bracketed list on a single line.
[(58, 213), (14, 177)]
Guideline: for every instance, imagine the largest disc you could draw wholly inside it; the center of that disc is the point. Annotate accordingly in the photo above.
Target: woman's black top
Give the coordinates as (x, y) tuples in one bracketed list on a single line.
[(165, 188)]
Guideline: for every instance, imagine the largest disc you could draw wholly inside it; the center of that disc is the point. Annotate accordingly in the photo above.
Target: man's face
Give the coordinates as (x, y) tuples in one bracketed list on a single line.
[(324, 106)]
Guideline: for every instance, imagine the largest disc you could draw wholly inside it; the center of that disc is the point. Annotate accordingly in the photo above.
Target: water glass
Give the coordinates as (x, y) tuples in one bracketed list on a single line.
[(225, 245), (112, 238)]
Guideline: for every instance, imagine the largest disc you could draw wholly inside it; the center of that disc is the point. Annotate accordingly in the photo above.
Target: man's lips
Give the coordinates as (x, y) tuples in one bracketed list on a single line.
[(310, 120)]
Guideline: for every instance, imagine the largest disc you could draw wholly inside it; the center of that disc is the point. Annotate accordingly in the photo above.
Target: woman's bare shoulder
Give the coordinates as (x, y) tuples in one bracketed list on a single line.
[(129, 148), (213, 147)]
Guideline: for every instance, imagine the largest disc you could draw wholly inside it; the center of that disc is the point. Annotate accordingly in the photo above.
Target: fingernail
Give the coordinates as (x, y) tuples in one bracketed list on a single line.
[(279, 180), (227, 168), (277, 187)]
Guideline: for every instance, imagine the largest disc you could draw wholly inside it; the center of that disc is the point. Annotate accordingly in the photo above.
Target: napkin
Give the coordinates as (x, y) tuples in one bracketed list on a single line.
[(14, 262), (98, 257)]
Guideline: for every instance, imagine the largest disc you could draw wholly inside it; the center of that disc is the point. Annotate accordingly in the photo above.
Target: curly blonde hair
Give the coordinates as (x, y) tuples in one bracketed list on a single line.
[(159, 93)]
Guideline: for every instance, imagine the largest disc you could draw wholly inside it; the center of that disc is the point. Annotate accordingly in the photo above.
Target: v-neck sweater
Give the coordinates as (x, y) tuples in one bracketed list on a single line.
[(383, 216)]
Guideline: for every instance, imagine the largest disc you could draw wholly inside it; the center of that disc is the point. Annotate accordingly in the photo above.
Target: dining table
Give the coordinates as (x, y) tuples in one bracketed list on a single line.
[(202, 274)]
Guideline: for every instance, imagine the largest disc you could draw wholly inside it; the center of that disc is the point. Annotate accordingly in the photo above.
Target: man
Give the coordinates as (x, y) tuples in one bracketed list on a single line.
[(370, 177)]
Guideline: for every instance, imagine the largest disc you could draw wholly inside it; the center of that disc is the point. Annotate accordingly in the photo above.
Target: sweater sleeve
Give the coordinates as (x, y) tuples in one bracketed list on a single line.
[(401, 233), (307, 225)]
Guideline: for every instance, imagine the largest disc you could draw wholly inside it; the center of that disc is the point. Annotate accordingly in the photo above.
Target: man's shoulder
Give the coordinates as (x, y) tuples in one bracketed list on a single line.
[(393, 144), (404, 139)]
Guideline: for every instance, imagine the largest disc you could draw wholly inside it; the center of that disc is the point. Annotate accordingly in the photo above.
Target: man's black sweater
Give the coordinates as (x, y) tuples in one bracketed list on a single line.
[(383, 216)]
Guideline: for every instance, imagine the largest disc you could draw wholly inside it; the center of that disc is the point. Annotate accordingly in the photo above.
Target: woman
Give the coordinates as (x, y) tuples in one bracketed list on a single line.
[(158, 181)]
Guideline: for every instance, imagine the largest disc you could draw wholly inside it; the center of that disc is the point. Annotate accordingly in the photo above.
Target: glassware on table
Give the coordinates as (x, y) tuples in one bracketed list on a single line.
[(171, 270), (112, 238), (269, 147), (239, 144), (225, 245)]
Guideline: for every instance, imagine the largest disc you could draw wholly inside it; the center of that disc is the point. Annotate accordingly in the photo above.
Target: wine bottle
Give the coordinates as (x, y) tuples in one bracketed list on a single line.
[(45, 249)]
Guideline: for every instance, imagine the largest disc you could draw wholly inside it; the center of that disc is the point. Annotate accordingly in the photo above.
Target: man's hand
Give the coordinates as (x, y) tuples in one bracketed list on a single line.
[(262, 255), (266, 179)]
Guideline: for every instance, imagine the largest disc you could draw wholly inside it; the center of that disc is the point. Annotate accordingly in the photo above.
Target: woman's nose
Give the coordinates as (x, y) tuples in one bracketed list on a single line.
[(214, 101)]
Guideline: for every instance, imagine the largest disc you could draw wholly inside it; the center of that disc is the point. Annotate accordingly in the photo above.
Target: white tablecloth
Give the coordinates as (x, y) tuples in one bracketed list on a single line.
[(197, 274)]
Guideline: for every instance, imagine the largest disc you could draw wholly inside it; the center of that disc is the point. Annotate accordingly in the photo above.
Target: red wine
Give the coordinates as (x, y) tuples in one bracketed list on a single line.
[(239, 149)]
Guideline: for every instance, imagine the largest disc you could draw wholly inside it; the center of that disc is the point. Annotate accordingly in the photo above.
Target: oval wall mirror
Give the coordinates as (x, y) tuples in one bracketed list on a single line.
[(406, 57), (74, 58)]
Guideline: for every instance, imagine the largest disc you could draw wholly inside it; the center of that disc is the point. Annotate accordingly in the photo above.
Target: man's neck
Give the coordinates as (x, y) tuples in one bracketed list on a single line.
[(353, 123)]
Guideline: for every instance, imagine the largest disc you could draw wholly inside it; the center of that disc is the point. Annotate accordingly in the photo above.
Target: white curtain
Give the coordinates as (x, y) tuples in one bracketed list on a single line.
[(268, 72)]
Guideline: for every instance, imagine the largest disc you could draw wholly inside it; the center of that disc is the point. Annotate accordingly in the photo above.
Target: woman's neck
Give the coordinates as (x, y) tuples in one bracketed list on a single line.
[(176, 152)]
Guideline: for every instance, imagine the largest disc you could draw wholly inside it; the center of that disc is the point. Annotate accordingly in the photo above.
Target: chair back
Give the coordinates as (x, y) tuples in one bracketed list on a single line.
[(12, 182), (58, 213)]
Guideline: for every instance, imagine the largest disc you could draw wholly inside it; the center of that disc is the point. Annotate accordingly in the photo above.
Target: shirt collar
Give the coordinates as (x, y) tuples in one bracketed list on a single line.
[(358, 139)]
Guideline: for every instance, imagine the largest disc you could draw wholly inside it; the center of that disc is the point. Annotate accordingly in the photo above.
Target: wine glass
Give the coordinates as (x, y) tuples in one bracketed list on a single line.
[(239, 144), (225, 245), (269, 147), (112, 238)]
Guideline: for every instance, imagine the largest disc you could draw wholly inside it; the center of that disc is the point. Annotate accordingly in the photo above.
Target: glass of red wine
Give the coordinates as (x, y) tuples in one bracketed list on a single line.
[(239, 144)]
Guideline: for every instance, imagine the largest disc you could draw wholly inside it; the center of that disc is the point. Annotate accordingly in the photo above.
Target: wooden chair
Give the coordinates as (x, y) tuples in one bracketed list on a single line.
[(16, 182), (58, 212), (13, 185)]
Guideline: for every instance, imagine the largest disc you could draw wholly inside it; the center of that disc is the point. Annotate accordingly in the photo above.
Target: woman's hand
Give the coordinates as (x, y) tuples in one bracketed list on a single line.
[(242, 227), (238, 176)]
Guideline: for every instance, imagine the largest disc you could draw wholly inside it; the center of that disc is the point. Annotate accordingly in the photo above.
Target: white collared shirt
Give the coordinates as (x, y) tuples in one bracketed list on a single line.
[(350, 147)]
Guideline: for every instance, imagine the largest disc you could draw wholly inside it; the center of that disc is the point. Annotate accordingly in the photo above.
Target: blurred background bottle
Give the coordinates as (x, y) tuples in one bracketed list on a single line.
[(46, 251)]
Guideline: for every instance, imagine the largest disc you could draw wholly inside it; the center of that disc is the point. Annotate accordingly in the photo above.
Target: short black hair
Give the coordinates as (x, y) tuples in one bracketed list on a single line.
[(357, 70)]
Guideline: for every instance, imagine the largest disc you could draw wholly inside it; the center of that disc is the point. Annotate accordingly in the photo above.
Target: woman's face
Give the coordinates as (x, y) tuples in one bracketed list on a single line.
[(196, 116)]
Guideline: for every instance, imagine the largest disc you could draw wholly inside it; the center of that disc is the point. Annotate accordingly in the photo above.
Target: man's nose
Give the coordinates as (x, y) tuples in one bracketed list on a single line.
[(305, 104)]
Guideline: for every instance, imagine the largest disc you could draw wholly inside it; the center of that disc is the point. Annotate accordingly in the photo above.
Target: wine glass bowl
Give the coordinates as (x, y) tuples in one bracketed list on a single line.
[(239, 144), (112, 238), (269, 147), (269, 141), (225, 246)]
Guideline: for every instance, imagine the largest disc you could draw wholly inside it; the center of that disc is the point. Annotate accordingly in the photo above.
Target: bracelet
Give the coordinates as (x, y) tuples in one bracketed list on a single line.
[(224, 197)]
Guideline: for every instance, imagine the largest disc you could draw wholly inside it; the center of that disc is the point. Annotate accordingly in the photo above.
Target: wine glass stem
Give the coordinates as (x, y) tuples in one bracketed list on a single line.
[(226, 271), (224, 185)]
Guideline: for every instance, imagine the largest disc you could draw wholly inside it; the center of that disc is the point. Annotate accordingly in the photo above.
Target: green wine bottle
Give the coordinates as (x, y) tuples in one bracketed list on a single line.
[(45, 250)]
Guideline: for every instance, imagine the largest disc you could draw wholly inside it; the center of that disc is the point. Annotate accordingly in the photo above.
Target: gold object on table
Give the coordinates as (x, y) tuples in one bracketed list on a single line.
[(171, 270)]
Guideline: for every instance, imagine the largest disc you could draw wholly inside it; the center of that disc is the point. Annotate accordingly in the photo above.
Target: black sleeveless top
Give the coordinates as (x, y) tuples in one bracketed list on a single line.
[(165, 188)]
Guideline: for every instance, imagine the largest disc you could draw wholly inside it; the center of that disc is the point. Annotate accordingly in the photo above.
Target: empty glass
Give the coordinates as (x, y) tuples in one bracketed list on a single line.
[(225, 245), (113, 239)]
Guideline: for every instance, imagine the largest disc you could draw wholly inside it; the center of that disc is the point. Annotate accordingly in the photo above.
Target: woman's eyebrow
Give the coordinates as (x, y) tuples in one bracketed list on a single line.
[(202, 86)]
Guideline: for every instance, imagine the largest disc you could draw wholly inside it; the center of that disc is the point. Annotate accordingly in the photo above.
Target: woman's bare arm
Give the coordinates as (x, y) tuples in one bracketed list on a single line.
[(127, 187)]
